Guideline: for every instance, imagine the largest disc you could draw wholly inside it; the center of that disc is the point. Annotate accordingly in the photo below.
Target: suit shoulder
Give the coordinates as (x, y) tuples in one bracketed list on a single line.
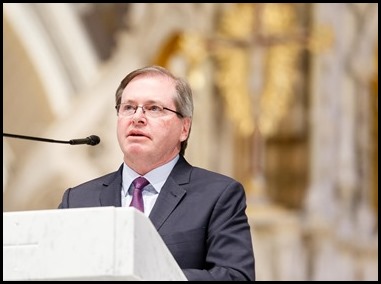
[(97, 182), (184, 168), (198, 172)]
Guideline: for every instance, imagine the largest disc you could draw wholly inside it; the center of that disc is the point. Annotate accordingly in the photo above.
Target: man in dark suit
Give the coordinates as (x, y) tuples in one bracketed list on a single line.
[(199, 214)]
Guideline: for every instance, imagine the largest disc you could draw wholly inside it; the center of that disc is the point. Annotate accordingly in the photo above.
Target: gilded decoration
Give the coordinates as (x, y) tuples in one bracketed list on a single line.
[(241, 30)]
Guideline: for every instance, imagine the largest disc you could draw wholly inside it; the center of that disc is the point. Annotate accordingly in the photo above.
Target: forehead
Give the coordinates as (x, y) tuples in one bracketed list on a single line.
[(150, 85)]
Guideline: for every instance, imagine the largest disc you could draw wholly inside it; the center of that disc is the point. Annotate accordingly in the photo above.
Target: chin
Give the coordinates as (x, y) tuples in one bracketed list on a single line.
[(134, 150)]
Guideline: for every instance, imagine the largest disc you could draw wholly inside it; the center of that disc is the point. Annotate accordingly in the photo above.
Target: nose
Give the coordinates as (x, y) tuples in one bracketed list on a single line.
[(142, 107), (139, 116)]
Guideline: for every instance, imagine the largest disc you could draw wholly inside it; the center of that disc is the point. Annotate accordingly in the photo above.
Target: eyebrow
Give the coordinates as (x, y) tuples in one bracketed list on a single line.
[(147, 102)]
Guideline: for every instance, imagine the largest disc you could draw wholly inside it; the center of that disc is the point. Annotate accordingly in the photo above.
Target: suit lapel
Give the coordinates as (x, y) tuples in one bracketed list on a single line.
[(171, 193), (111, 192)]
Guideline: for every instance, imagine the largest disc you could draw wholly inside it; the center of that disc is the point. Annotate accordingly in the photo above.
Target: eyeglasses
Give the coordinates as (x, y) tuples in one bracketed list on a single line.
[(150, 110)]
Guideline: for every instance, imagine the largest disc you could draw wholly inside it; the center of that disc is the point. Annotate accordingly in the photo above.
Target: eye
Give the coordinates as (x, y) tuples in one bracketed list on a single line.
[(154, 108), (126, 107)]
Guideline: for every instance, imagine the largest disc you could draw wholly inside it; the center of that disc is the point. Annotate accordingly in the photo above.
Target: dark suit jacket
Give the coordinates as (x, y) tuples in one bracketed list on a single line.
[(199, 214)]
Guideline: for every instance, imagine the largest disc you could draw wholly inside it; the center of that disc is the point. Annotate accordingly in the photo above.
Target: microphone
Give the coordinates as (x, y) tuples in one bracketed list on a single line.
[(91, 140)]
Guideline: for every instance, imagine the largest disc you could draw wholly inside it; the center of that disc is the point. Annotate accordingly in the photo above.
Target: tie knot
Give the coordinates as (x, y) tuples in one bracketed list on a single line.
[(140, 182)]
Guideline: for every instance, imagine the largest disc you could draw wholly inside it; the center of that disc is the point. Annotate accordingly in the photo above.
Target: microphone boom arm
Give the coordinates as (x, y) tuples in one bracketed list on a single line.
[(91, 140), (34, 138)]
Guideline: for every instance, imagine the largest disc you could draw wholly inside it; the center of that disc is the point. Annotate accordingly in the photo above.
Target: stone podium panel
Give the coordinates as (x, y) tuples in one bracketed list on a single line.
[(100, 243)]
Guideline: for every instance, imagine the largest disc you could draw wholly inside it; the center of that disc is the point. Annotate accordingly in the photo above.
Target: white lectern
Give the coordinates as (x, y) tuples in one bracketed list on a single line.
[(100, 243)]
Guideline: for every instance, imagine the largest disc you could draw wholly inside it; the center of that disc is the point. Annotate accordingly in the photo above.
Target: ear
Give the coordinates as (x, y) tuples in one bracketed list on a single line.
[(187, 122)]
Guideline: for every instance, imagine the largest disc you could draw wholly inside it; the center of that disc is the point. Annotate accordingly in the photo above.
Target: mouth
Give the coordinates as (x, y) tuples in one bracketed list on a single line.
[(137, 134)]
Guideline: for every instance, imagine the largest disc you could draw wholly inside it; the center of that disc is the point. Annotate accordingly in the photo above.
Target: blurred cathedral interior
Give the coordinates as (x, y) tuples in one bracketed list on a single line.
[(286, 101)]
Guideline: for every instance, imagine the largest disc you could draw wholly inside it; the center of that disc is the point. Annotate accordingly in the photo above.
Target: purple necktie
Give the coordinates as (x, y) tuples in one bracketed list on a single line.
[(137, 198)]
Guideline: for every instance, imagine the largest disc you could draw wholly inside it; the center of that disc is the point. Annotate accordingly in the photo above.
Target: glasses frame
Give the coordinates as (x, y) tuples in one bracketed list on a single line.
[(144, 110)]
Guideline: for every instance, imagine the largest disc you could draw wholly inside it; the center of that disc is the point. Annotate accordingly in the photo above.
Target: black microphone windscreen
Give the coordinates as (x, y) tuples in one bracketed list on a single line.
[(94, 140)]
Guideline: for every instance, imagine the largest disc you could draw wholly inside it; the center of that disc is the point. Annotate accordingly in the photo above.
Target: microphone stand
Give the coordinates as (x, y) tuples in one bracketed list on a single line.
[(34, 138)]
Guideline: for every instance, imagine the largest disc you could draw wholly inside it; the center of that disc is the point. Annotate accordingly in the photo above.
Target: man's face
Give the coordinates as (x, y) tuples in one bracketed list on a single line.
[(149, 142)]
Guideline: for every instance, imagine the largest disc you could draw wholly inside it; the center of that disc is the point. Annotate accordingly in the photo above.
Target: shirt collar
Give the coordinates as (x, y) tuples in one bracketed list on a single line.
[(156, 177)]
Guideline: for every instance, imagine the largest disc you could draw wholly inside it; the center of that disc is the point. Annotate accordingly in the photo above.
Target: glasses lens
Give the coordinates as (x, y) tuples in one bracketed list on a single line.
[(150, 110)]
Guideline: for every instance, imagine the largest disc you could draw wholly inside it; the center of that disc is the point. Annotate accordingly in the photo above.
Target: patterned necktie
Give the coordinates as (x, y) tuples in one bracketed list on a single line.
[(137, 198)]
